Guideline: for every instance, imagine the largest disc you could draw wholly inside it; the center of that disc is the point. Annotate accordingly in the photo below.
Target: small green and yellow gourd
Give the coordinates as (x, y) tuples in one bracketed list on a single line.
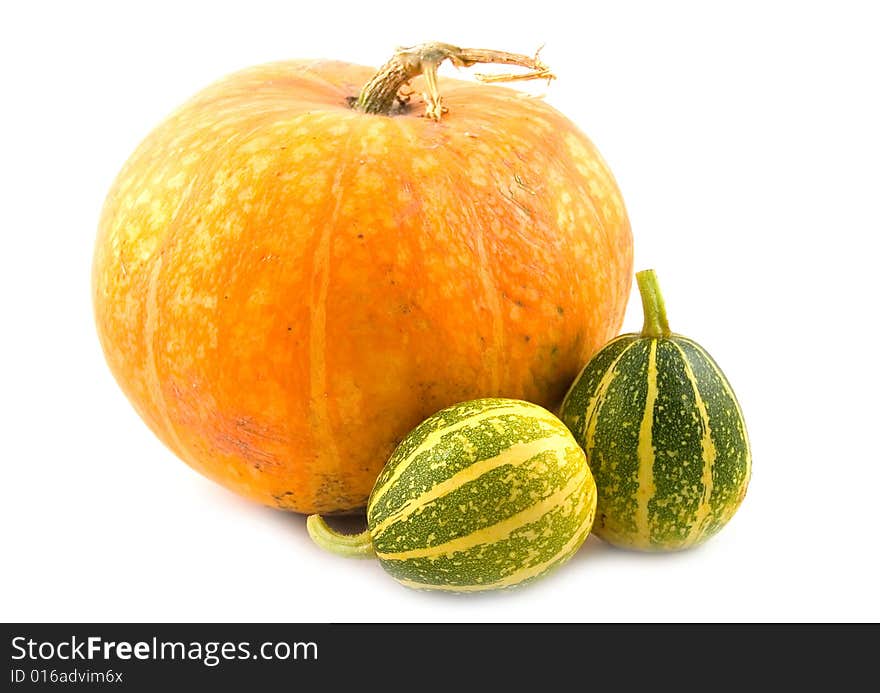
[(483, 495), (663, 433)]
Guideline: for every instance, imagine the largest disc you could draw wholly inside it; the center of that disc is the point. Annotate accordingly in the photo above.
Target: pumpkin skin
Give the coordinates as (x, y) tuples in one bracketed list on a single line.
[(284, 286)]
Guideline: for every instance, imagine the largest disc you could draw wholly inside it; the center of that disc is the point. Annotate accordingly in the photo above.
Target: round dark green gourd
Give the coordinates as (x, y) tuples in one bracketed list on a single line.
[(663, 433)]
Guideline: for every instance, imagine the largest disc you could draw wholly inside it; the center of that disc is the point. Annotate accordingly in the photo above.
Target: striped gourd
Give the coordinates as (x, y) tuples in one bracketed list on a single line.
[(483, 495), (663, 434)]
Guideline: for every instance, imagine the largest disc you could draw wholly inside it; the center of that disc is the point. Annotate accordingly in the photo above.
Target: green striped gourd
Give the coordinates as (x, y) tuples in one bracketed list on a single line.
[(482, 495), (663, 434)]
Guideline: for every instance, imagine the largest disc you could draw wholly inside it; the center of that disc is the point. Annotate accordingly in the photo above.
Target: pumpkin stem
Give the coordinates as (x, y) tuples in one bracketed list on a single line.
[(381, 93), (348, 545), (653, 306)]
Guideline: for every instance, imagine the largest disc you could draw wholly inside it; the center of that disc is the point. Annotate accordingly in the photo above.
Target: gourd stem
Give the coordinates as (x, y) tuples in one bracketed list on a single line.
[(381, 93), (348, 545), (653, 306)]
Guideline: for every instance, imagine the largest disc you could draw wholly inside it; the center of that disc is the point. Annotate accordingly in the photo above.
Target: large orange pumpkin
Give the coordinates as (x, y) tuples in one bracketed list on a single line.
[(285, 285)]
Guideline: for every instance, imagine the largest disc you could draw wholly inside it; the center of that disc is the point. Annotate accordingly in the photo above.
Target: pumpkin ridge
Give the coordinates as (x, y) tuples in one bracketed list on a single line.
[(154, 386), (151, 331), (494, 362), (318, 291)]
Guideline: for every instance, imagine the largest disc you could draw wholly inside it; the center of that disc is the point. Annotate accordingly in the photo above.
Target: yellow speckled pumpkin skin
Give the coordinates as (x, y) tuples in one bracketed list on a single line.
[(283, 286)]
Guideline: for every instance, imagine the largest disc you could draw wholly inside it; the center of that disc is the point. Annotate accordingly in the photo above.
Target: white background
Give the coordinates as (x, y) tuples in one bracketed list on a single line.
[(745, 141)]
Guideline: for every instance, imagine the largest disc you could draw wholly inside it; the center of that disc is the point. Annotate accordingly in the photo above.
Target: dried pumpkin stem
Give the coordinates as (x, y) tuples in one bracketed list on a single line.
[(348, 545), (381, 93), (656, 324)]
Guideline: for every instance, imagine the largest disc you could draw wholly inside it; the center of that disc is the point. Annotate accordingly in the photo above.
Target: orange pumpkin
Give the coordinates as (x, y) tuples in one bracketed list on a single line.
[(284, 284)]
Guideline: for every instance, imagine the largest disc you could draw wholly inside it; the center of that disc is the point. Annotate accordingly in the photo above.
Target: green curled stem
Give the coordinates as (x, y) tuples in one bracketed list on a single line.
[(348, 545), (656, 324)]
